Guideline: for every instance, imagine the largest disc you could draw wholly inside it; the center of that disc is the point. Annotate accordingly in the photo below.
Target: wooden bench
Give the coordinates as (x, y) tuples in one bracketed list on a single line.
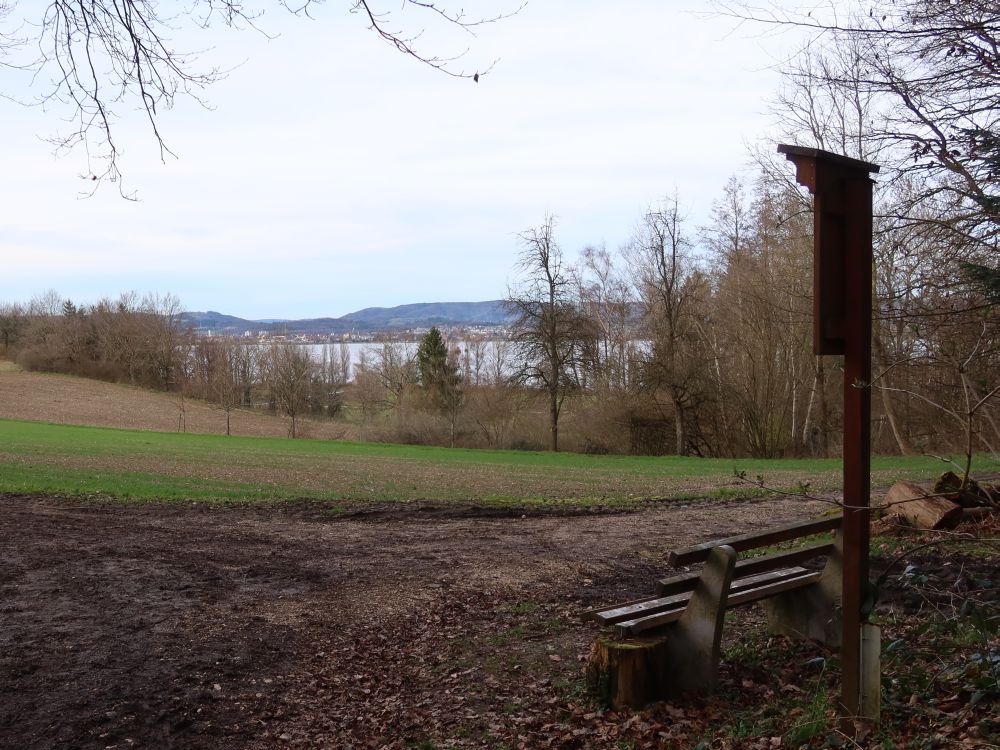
[(669, 643)]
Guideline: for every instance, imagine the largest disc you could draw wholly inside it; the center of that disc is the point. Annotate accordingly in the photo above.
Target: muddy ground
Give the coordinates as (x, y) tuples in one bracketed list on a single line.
[(199, 627)]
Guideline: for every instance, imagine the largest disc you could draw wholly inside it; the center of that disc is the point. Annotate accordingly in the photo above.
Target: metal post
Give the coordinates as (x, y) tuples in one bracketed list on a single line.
[(843, 325), (857, 430)]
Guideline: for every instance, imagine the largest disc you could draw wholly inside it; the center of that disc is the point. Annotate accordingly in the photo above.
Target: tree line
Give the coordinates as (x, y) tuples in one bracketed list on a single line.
[(692, 340), (685, 339)]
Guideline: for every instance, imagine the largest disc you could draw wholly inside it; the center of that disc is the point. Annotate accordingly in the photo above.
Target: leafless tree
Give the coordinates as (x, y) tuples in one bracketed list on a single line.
[(913, 85), (334, 371), (395, 364), (669, 288), (289, 376), (101, 56), (225, 361), (13, 319), (474, 357), (607, 299), (548, 328), (368, 391)]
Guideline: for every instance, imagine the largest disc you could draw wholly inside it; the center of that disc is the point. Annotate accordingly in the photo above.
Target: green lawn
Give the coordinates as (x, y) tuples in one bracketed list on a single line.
[(126, 464)]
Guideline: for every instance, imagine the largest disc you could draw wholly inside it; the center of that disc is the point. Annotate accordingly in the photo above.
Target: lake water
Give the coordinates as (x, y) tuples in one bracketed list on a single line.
[(481, 361)]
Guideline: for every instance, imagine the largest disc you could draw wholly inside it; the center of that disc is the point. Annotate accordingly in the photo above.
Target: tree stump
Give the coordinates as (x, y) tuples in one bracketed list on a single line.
[(630, 673), (920, 508)]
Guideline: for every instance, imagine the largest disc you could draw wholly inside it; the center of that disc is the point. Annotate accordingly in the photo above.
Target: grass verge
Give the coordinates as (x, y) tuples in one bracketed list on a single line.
[(140, 465)]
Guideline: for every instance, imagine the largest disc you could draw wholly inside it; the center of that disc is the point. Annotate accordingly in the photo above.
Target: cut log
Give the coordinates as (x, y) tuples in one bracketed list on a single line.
[(973, 495), (628, 674), (921, 508)]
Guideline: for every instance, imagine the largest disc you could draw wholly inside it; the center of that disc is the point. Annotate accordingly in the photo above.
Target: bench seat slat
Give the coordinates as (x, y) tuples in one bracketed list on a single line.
[(763, 592), (657, 605), (744, 568), (699, 552), (667, 587), (789, 580), (650, 622), (647, 607), (761, 579), (798, 556)]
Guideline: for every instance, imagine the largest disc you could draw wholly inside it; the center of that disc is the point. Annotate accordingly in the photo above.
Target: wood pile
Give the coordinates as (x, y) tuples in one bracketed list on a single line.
[(942, 505)]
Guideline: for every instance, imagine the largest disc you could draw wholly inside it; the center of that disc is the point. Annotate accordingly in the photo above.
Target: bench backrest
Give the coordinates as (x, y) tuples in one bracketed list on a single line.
[(699, 552)]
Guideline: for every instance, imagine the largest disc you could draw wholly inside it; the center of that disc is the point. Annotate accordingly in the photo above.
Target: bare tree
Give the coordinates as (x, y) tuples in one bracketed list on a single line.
[(368, 391), (289, 376), (334, 373), (395, 364), (548, 327), (474, 358), (660, 256), (13, 319), (607, 299), (226, 375), (913, 85), (96, 57)]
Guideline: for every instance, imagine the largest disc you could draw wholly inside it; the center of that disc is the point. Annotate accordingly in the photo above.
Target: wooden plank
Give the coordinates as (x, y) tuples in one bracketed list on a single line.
[(763, 592), (649, 606), (591, 614), (651, 622), (653, 604), (751, 566), (677, 584), (628, 623), (699, 552), (749, 582), (782, 559)]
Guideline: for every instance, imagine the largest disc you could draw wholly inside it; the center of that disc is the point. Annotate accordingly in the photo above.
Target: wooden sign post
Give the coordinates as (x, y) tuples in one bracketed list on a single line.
[(842, 324)]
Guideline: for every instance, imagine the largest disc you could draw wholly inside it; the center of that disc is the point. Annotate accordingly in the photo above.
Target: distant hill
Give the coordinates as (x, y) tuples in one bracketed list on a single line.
[(369, 320), (425, 314)]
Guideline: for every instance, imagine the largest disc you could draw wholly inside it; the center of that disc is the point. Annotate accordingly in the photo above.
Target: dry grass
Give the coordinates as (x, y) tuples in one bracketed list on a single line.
[(65, 399)]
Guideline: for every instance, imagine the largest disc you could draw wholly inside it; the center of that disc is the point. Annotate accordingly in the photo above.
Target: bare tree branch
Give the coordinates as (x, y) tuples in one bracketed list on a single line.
[(95, 56)]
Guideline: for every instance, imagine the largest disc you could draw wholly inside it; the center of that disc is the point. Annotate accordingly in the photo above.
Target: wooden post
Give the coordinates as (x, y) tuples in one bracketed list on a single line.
[(843, 325), (871, 672)]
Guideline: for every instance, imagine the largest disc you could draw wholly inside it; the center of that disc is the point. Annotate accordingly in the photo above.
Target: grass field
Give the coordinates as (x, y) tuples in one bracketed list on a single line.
[(141, 465)]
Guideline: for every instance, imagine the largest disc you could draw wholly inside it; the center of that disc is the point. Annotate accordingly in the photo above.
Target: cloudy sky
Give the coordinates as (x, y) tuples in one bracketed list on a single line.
[(332, 173)]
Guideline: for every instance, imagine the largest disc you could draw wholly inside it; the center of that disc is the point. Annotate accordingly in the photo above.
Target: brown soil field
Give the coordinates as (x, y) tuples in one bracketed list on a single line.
[(389, 627), (65, 399), (162, 626)]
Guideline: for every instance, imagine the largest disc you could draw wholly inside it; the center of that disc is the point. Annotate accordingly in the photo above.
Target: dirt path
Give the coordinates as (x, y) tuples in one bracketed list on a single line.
[(166, 626)]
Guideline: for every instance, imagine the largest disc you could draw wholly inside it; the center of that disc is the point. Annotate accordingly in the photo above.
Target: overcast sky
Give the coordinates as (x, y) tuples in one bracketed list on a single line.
[(333, 173)]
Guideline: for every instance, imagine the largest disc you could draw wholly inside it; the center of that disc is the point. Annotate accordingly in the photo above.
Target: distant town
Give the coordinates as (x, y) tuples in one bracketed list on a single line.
[(489, 320)]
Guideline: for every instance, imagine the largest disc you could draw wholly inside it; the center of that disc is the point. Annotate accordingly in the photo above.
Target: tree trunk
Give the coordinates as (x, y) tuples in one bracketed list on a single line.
[(679, 425), (629, 674), (824, 410), (554, 421), (806, 422), (905, 448)]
